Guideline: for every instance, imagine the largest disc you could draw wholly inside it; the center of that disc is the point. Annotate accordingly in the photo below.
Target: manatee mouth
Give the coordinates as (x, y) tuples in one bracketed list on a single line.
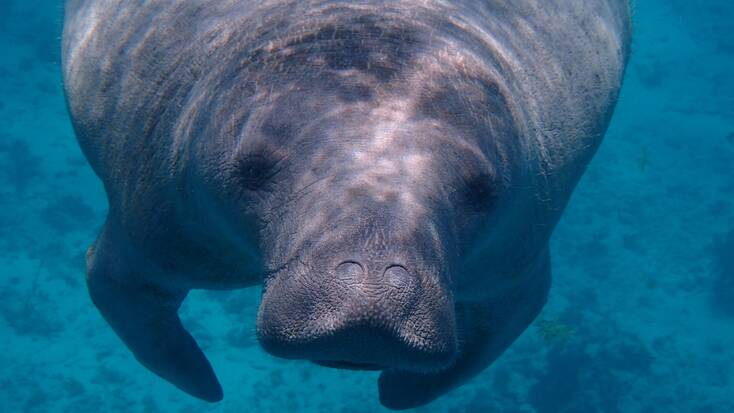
[(348, 365)]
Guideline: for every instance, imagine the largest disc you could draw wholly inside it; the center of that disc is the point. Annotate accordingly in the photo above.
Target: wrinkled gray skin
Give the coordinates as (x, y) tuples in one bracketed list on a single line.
[(390, 171)]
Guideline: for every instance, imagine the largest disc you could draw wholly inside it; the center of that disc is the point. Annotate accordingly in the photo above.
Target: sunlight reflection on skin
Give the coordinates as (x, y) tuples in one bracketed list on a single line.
[(388, 158)]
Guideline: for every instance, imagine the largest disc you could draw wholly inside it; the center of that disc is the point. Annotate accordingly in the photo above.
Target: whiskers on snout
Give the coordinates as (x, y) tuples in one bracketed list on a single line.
[(358, 318)]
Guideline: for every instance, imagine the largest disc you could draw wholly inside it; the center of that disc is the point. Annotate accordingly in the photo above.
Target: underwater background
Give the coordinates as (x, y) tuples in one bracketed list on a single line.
[(641, 312)]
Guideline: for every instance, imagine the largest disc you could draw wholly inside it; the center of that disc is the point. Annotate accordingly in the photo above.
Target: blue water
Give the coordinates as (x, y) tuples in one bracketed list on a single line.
[(640, 317)]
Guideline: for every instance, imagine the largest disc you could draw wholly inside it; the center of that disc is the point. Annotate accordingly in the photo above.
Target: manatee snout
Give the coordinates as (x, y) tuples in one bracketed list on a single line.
[(371, 301)]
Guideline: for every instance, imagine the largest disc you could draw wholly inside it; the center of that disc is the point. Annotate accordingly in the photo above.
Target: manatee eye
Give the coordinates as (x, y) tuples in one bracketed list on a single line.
[(254, 171), (480, 192)]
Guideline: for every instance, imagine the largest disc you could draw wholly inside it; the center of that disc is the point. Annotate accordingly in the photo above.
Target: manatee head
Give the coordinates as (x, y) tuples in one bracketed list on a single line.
[(364, 181), (363, 236)]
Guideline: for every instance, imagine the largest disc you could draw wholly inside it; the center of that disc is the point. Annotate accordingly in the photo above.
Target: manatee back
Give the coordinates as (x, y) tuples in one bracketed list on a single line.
[(564, 60), (129, 64), (126, 64)]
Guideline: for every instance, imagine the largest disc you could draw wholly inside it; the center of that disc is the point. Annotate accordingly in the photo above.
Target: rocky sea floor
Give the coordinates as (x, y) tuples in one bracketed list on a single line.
[(640, 317)]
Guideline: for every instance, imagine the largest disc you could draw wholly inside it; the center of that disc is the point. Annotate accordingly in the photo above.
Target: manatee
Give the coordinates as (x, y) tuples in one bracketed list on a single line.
[(389, 172)]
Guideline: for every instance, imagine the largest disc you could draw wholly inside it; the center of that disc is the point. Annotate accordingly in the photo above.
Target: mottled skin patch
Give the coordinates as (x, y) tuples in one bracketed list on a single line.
[(391, 172)]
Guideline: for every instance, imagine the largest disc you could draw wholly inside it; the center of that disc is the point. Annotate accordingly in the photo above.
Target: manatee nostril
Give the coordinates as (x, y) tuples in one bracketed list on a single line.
[(396, 275), (349, 270)]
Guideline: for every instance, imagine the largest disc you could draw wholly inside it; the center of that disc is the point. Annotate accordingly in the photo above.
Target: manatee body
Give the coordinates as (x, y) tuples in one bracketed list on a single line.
[(390, 172)]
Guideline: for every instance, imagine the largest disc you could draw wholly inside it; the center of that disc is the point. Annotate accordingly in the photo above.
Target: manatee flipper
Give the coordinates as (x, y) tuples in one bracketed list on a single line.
[(145, 317), (486, 332)]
